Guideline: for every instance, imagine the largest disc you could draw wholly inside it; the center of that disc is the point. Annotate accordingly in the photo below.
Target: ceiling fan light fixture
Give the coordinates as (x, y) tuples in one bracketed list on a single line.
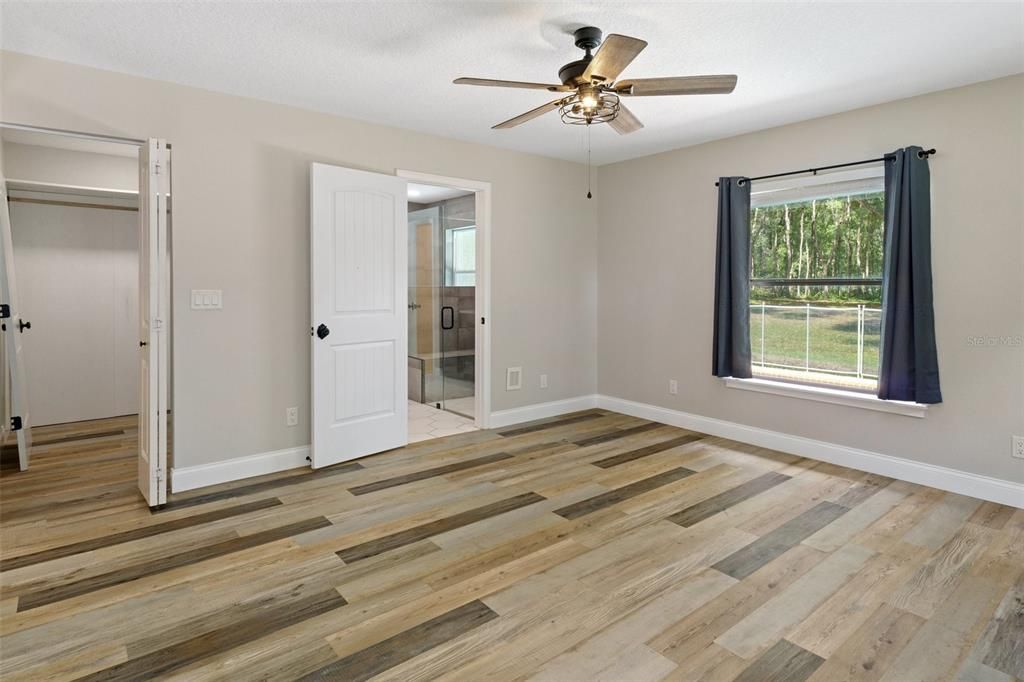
[(589, 107), (592, 84)]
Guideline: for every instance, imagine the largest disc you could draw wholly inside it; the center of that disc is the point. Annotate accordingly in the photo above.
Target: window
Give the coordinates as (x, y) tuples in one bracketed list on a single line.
[(460, 244), (816, 279)]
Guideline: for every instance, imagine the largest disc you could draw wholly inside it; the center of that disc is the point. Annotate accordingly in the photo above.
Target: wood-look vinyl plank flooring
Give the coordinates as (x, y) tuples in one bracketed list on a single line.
[(591, 546)]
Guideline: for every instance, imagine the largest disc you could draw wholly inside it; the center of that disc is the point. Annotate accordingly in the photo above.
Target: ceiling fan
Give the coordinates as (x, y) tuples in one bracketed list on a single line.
[(592, 91)]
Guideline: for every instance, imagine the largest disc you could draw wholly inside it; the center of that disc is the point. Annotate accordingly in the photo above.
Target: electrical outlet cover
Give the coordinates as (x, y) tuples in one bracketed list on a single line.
[(513, 378), (1018, 447)]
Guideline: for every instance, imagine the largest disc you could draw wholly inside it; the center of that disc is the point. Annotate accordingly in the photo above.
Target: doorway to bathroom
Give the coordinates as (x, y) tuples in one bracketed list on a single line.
[(445, 315)]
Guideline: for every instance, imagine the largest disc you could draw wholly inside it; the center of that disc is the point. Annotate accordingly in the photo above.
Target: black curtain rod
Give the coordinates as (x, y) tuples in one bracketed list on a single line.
[(924, 154)]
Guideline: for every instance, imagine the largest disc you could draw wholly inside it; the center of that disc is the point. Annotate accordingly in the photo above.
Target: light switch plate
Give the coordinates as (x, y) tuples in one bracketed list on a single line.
[(207, 299)]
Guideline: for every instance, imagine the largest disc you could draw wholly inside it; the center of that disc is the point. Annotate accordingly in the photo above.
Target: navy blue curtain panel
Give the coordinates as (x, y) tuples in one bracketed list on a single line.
[(732, 280), (908, 364)]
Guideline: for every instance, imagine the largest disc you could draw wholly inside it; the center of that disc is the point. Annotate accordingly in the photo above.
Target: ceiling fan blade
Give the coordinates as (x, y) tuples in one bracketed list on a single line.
[(531, 114), (490, 82), (614, 55), (680, 85), (625, 122)]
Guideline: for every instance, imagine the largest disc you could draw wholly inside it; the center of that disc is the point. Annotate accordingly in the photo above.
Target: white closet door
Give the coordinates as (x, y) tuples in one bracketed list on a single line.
[(359, 276), (13, 335), (154, 297)]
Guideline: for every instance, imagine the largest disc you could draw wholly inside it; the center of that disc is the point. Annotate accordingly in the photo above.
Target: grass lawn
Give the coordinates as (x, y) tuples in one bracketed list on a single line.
[(833, 338)]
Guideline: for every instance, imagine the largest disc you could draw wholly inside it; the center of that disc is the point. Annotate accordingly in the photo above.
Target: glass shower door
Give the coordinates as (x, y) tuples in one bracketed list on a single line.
[(458, 305), (442, 305)]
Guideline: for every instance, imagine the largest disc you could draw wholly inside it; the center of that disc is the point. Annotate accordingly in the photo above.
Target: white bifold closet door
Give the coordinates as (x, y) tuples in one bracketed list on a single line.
[(12, 331), (154, 312), (359, 319)]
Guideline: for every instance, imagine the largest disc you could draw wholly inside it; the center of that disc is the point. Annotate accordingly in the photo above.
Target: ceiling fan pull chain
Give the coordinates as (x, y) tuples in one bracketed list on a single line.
[(589, 195)]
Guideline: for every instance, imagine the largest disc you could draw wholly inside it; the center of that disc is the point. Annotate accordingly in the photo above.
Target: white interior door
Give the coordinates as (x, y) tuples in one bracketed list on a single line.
[(359, 273), (154, 299), (13, 331)]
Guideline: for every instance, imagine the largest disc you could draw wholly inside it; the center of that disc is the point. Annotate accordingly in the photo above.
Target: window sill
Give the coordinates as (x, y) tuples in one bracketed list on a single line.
[(829, 395)]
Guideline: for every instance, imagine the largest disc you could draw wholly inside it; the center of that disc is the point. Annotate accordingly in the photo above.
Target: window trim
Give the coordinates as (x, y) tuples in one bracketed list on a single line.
[(834, 396)]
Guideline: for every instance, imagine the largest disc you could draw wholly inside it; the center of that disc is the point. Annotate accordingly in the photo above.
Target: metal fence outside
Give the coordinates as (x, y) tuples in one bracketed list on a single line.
[(841, 340)]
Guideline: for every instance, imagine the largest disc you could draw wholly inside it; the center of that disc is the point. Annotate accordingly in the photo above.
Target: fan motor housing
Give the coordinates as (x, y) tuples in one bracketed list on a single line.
[(571, 72), (587, 38)]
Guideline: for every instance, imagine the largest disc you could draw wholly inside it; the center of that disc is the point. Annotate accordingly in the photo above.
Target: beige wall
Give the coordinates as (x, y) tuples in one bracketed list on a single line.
[(656, 272), (240, 172), (241, 224)]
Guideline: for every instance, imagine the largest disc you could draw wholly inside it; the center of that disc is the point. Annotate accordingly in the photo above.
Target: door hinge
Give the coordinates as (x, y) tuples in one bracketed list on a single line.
[(158, 324), (483, 320), (16, 424), (5, 310), (156, 168)]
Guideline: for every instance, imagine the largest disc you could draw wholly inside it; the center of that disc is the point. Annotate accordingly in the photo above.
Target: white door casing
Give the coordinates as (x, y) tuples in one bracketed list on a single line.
[(154, 310), (359, 277), (13, 333)]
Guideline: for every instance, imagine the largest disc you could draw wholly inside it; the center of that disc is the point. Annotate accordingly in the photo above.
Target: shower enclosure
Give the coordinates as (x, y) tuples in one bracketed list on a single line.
[(442, 304)]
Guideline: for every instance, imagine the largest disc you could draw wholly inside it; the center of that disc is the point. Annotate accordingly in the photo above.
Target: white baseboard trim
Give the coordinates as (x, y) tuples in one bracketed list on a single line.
[(190, 478), (944, 478), (528, 413)]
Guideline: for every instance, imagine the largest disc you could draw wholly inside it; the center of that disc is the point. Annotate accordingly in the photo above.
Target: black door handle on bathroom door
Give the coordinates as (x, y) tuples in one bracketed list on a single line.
[(322, 331), (451, 320)]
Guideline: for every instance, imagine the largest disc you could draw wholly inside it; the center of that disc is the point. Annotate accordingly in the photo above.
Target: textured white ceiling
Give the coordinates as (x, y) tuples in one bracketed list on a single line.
[(393, 62)]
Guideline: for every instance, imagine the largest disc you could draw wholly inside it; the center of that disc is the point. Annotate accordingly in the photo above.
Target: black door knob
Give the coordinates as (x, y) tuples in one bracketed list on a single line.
[(322, 331)]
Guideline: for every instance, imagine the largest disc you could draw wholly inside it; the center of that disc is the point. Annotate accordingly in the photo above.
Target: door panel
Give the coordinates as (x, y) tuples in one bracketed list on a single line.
[(359, 313), (364, 247), (370, 365), (154, 299), (13, 335)]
